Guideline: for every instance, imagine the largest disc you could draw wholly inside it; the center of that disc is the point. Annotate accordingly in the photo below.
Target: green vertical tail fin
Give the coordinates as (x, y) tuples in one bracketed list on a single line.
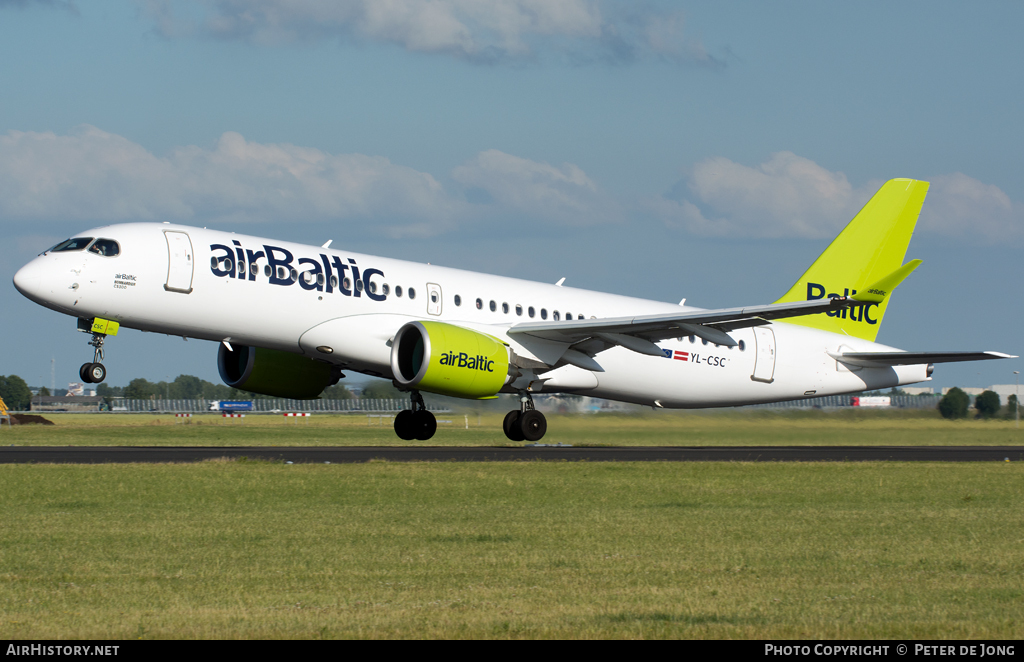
[(868, 251)]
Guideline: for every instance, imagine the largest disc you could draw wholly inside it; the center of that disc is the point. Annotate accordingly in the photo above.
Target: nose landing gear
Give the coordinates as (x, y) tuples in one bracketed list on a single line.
[(416, 423), (94, 373), (527, 424)]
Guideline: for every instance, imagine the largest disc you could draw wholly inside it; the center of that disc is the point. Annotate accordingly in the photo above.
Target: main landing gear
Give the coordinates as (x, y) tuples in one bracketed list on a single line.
[(94, 373), (527, 424), (415, 423)]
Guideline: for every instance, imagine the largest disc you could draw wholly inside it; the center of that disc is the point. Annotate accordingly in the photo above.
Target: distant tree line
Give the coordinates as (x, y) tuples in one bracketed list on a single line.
[(15, 392), (956, 404)]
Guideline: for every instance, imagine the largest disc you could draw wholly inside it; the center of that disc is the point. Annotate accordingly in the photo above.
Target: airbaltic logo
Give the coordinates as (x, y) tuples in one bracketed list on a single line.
[(463, 360), (280, 267), (858, 313)]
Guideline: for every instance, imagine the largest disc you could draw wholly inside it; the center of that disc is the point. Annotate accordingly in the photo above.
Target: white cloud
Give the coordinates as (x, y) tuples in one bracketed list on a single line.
[(961, 206), (93, 175), (90, 175), (535, 189), (787, 196), (468, 29), (791, 196)]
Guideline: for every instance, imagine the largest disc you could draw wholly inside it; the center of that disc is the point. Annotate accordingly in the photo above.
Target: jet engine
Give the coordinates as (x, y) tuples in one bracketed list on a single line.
[(449, 360), (273, 372)]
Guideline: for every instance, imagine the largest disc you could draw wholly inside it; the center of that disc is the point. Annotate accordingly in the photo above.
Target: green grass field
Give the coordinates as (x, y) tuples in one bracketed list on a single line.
[(717, 428), (379, 550), (592, 550)]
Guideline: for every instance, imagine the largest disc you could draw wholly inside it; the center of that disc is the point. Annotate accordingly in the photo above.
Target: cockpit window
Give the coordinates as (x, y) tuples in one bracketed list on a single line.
[(105, 247), (76, 244)]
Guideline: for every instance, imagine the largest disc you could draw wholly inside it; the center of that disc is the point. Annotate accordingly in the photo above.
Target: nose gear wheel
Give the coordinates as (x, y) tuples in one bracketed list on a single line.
[(94, 373)]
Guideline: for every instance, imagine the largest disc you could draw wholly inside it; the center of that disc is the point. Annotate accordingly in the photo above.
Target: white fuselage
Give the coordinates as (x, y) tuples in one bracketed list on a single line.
[(160, 282)]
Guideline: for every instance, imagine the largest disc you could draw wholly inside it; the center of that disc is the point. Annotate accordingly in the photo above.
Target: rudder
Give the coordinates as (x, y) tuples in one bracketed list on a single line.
[(870, 248)]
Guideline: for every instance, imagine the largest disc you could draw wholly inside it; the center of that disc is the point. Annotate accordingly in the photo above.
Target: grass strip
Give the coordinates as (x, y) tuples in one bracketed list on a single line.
[(236, 549), (726, 428)]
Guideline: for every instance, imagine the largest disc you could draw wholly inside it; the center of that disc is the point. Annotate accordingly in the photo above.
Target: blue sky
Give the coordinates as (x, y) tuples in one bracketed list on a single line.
[(705, 150)]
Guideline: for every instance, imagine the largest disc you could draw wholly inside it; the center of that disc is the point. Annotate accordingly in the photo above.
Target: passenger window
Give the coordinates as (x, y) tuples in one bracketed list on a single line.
[(69, 245), (255, 269), (372, 287), (529, 311), (346, 284), (543, 313), (412, 293), (385, 289), (554, 315), (581, 317), (105, 247), (266, 271), (213, 262), (743, 345), (479, 304), (519, 310), (568, 317), (458, 300), (398, 291), (334, 282), (504, 308), (493, 306), (433, 297), (320, 279), (693, 339), (294, 274), (359, 286)]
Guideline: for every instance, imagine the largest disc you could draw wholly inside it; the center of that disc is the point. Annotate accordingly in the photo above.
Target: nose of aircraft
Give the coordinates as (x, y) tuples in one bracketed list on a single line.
[(29, 280)]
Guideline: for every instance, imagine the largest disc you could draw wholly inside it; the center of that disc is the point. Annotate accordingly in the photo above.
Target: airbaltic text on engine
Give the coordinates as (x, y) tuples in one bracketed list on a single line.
[(279, 269), (463, 360)]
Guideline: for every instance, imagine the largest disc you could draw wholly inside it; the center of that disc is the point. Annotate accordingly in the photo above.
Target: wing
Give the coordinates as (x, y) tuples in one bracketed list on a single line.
[(639, 333), (883, 359)]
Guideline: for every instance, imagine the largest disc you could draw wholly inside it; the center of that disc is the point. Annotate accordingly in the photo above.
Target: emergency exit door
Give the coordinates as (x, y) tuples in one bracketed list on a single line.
[(433, 299), (180, 262)]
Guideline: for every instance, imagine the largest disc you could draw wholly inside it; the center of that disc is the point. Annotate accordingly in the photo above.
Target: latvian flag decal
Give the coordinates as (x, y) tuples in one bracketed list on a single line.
[(677, 355)]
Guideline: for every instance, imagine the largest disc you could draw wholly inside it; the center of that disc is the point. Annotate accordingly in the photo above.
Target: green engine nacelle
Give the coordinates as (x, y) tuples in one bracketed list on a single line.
[(273, 372), (449, 360)]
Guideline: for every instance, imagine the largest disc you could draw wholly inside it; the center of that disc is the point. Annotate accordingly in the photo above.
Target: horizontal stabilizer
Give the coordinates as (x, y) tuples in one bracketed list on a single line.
[(884, 359), (876, 292)]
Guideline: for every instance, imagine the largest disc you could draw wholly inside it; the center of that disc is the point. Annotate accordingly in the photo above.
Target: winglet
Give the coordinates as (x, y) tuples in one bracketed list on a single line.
[(876, 292)]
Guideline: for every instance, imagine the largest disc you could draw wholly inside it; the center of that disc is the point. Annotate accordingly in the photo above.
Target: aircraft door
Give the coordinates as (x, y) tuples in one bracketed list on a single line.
[(179, 262), (764, 359), (433, 299)]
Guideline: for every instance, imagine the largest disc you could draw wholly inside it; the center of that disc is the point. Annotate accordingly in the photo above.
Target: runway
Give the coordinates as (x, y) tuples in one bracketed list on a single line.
[(356, 454)]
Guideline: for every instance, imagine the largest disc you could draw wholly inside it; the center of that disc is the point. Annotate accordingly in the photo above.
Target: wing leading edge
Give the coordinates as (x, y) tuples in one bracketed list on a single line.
[(640, 332)]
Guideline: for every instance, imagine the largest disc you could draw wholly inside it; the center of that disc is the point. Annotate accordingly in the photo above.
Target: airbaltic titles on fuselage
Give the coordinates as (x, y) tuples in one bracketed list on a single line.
[(281, 267)]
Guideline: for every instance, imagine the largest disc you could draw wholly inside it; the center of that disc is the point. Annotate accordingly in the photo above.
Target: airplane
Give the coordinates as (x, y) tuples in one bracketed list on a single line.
[(289, 318)]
